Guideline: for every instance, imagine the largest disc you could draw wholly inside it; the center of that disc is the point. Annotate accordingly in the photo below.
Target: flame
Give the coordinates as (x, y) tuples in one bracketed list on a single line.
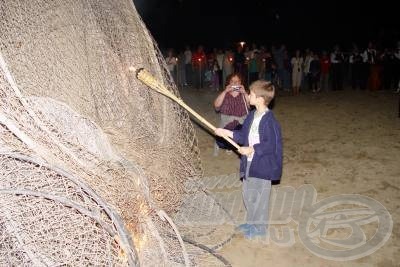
[(140, 241)]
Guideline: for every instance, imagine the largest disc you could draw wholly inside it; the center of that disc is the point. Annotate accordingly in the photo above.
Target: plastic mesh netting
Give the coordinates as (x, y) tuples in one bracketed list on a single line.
[(92, 162)]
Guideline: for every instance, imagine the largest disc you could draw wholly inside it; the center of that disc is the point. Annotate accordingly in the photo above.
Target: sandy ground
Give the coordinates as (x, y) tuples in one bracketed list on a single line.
[(345, 142)]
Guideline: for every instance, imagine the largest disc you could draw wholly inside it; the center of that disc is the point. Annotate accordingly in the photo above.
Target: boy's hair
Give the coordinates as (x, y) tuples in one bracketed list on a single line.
[(263, 89)]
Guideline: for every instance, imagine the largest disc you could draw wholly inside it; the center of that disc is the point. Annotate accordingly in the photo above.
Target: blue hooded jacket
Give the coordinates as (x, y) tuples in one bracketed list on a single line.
[(267, 158)]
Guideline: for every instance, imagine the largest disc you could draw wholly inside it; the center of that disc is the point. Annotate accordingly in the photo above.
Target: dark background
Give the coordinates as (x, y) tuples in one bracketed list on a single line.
[(299, 24)]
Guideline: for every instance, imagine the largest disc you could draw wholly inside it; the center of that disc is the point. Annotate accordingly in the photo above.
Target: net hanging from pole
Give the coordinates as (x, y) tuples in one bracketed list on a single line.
[(95, 168)]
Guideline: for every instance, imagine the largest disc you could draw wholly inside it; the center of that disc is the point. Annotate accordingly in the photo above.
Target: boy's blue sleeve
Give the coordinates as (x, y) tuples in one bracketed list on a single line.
[(239, 136), (270, 139)]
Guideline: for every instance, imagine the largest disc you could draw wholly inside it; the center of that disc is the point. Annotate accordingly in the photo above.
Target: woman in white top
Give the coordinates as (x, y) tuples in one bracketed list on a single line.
[(297, 72)]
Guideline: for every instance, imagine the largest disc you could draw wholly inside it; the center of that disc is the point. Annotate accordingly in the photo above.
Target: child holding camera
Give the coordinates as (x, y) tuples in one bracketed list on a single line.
[(232, 103), (261, 160)]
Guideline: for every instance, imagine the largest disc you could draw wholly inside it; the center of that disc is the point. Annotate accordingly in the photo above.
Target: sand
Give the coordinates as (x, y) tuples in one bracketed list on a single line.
[(344, 142)]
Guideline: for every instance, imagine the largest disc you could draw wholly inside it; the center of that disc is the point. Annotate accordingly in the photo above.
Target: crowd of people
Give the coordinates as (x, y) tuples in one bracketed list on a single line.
[(368, 68)]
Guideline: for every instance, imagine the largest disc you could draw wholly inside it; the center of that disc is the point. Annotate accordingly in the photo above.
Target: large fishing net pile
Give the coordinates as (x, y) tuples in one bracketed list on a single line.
[(95, 167)]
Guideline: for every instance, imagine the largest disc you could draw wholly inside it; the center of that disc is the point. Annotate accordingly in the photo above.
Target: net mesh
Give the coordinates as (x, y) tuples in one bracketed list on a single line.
[(92, 161)]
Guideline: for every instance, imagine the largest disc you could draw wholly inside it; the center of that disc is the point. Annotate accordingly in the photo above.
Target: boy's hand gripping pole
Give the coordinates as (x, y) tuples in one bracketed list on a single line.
[(149, 80)]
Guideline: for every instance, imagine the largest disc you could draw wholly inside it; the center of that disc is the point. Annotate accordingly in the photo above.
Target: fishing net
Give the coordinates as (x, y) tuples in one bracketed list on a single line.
[(95, 167)]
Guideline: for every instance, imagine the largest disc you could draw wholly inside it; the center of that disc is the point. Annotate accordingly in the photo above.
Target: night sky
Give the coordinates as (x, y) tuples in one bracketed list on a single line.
[(313, 24)]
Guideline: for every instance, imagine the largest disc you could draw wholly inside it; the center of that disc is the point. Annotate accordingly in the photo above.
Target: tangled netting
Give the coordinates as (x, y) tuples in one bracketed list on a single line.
[(95, 168)]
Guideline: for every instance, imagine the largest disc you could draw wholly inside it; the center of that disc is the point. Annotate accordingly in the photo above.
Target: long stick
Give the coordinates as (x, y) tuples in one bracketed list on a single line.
[(145, 77)]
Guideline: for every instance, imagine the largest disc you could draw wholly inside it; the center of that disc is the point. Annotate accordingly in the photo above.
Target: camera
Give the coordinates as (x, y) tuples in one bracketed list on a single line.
[(235, 87)]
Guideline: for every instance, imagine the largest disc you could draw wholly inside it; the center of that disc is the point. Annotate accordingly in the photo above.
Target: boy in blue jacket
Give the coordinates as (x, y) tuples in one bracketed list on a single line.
[(261, 157)]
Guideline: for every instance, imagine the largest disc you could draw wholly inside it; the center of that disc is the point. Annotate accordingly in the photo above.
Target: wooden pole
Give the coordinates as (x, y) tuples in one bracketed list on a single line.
[(145, 77)]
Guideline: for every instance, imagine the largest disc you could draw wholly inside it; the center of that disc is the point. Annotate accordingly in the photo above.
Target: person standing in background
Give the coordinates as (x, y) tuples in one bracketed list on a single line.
[(371, 58), (172, 61), (337, 59), (220, 60), (356, 61), (254, 64), (239, 62), (232, 103), (188, 66), (278, 55), (227, 66), (199, 64), (297, 72), (325, 69), (315, 73), (307, 75)]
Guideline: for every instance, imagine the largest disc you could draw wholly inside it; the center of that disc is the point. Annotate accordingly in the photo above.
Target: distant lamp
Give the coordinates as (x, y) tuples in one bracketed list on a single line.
[(242, 44)]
